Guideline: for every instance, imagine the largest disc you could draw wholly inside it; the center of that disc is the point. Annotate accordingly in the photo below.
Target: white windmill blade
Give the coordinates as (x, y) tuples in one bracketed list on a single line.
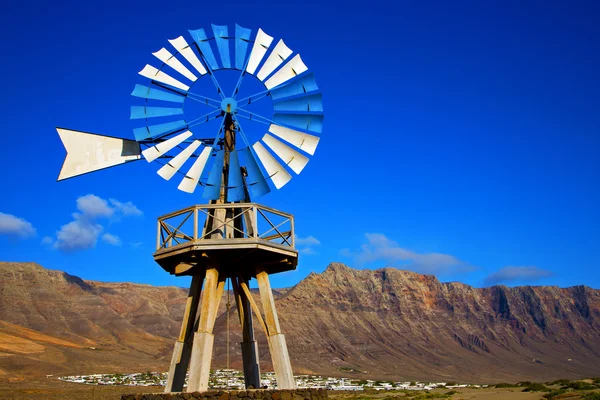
[(168, 170), (88, 152), (291, 157), (261, 44), (165, 56), (152, 153), (277, 173), (151, 72), (294, 67), (190, 182), (184, 49), (301, 140), (279, 54)]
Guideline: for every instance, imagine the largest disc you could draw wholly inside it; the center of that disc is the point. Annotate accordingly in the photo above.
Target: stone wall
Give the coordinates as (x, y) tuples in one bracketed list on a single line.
[(258, 394)]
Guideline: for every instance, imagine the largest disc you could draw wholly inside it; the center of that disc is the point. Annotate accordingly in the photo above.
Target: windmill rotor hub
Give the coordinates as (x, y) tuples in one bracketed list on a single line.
[(229, 105)]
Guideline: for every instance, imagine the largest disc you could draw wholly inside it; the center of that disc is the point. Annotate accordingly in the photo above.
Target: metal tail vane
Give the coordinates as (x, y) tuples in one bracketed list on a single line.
[(172, 137)]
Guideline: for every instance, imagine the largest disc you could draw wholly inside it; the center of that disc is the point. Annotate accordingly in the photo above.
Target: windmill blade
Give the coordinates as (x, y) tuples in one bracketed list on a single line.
[(256, 182), (294, 67), (184, 49), (152, 131), (261, 44), (313, 102), (222, 40), (152, 73), (168, 170), (165, 56), (88, 152), (152, 153), (242, 38), (202, 41), (140, 112), (307, 122), (190, 182), (291, 157), (295, 87), (276, 171), (279, 54), (212, 190), (146, 92), (235, 181), (301, 140)]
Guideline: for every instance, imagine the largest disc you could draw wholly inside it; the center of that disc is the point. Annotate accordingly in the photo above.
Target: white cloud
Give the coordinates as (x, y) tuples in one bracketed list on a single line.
[(93, 206), (136, 245), (85, 229), (308, 251), (79, 234), (15, 227), (512, 274), (111, 239), (126, 209), (306, 245), (307, 241), (380, 248)]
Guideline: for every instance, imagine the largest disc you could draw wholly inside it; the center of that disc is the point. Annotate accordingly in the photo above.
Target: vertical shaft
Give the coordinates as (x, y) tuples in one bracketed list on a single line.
[(276, 339), (227, 310), (203, 337), (248, 345), (183, 346)]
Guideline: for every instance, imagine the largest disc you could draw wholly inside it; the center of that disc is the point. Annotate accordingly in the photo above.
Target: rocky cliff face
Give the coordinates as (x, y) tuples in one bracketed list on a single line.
[(401, 323), (386, 323)]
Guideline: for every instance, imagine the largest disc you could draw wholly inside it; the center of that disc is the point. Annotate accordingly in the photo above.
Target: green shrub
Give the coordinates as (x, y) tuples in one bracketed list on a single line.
[(554, 393), (450, 393), (577, 385), (591, 396), (562, 382), (426, 396), (505, 385), (536, 387)]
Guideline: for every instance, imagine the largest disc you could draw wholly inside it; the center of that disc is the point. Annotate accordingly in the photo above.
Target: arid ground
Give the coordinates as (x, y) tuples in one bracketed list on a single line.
[(53, 389)]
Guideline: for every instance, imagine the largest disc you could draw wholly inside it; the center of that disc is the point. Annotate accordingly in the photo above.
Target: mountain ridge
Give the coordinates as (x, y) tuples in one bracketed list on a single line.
[(388, 323)]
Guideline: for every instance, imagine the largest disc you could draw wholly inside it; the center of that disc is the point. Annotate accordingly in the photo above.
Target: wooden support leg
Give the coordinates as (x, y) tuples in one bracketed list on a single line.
[(183, 346), (277, 345), (204, 338), (249, 345)]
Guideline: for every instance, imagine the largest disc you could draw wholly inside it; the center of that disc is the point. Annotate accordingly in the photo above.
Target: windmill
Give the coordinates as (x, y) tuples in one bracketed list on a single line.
[(229, 237)]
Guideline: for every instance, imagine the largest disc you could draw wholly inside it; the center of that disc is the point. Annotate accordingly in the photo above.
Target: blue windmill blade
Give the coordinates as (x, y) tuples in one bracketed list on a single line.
[(307, 122), (140, 112), (256, 182), (222, 39), (310, 103), (235, 181), (304, 84), (212, 190), (146, 92), (242, 39), (152, 131), (202, 42)]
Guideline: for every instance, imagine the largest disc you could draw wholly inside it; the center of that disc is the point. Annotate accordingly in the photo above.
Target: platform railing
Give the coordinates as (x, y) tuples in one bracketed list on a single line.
[(232, 221)]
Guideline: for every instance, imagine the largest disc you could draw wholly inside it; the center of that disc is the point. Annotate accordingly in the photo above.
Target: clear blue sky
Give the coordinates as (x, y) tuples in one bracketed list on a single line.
[(460, 138)]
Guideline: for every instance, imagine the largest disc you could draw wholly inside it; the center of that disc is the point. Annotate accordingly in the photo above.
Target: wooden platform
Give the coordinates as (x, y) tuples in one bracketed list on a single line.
[(195, 256), (241, 237)]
